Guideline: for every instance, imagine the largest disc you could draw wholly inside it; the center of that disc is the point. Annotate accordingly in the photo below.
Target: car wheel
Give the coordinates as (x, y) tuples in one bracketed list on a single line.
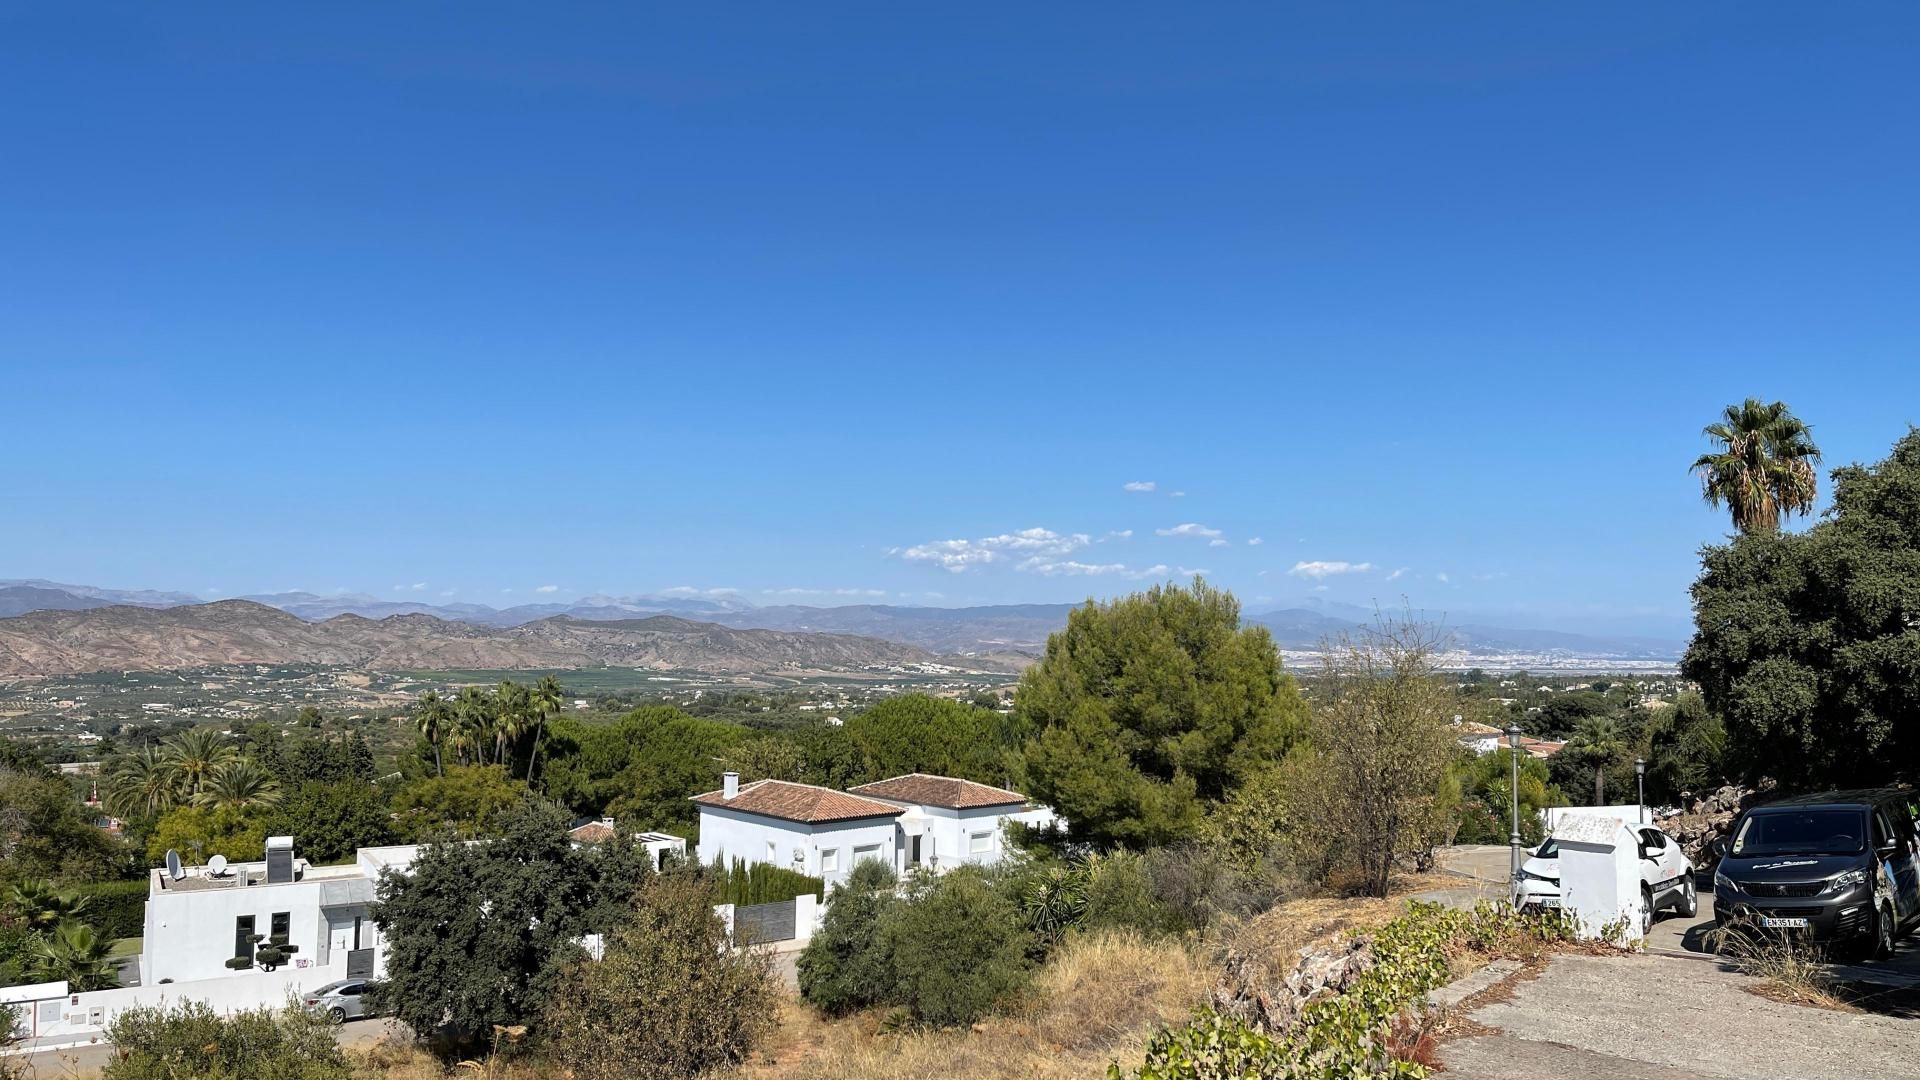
[(1646, 911), (337, 1014), (1689, 901), (1882, 934)]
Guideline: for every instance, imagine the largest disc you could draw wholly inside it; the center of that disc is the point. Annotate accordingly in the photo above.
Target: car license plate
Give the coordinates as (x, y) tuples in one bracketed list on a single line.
[(1771, 923), (1548, 901)]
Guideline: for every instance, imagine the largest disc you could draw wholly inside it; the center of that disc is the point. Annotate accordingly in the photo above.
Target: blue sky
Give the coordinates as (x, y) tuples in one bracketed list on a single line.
[(486, 297)]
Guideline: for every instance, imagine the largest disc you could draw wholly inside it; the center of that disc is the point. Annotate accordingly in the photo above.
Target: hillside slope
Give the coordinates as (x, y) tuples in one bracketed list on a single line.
[(243, 632)]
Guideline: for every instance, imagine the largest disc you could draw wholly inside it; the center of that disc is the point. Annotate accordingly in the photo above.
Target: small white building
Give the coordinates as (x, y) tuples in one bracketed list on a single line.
[(949, 821), (813, 830), (657, 845), (208, 915), (907, 821)]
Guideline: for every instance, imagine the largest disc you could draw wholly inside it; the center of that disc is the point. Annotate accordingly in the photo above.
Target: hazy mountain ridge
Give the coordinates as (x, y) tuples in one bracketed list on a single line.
[(1003, 631), (244, 632)]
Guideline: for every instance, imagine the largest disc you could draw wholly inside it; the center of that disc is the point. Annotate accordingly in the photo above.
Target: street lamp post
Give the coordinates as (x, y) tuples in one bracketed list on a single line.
[(1513, 841), (1640, 776)]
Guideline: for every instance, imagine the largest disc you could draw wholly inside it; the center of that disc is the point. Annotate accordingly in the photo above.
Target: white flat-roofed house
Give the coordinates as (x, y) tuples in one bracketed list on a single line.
[(198, 921), (948, 821), (813, 830)]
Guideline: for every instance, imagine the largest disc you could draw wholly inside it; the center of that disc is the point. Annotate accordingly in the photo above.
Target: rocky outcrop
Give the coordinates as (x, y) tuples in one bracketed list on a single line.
[(1710, 816), (1250, 989)]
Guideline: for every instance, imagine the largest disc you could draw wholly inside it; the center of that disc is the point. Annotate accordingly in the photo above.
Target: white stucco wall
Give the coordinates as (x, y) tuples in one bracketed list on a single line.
[(949, 833), (731, 834), (190, 934)]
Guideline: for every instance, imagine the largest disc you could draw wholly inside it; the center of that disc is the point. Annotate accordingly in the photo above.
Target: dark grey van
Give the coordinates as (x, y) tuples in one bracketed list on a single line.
[(1841, 866)]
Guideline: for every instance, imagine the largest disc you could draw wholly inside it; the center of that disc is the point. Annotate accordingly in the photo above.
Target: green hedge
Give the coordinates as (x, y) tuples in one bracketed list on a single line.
[(760, 883), (116, 909)]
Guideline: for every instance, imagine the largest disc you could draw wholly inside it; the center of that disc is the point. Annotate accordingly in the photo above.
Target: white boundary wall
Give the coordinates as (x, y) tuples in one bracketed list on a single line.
[(84, 1016)]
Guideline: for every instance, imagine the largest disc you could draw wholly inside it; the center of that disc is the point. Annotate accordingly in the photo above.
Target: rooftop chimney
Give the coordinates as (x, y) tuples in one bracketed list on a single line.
[(729, 784)]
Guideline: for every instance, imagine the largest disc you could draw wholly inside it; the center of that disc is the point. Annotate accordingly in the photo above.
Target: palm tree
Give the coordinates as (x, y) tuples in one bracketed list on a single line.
[(142, 784), (238, 783), (194, 755), (44, 907), (74, 953), (435, 718), (1597, 739), (547, 697), (1764, 469), (473, 723), (511, 715)]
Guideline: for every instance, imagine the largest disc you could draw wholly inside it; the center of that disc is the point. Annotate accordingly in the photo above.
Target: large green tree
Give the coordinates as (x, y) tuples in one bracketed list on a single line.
[(1763, 468), (924, 734), (330, 821), (640, 768), (480, 934), (1808, 645), (1147, 708)]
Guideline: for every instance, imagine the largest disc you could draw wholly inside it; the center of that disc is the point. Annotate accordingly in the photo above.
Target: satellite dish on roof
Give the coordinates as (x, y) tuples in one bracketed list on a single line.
[(174, 869), (217, 866)]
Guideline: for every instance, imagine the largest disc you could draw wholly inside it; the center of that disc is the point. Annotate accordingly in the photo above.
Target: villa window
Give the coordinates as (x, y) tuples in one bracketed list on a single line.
[(243, 936), (280, 928), (979, 843), (830, 860), (864, 852)]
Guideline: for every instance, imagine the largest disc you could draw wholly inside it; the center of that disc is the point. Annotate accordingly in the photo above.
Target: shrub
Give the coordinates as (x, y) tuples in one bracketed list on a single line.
[(761, 883), (190, 1039), (1349, 1035), (843, 968), (669, 998), (117, 909), (957, 947)]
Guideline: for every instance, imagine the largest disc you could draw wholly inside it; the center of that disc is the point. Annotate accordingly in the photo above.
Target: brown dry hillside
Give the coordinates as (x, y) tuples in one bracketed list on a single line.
[(243, 632)]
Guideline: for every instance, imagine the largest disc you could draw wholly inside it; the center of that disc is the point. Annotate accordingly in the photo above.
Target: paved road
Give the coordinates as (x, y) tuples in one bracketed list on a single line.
[(1654, 1017), (82, 1061)]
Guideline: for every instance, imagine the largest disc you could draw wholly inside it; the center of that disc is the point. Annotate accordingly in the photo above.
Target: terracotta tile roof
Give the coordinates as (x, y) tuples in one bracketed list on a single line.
[(798, 802), (950, 792), (593, 832)]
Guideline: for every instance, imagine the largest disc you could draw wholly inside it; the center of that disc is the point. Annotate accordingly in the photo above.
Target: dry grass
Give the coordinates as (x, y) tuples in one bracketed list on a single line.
[(1100, 998), (397, 1059), (1789, 969)]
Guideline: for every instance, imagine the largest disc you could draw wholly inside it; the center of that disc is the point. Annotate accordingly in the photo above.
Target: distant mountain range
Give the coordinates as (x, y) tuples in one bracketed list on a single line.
[(999, 632), (64, 642)]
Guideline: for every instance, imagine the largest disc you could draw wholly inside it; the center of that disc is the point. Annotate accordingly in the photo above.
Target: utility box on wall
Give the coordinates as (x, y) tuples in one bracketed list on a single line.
[(1600, 875)]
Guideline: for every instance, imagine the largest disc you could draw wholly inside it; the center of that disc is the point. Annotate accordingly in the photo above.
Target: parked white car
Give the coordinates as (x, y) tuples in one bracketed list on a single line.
[(1666, 877), (339, 1001)]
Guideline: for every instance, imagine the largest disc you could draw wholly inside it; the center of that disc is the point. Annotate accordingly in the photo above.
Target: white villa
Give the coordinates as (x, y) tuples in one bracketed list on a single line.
[(907, 821), (208, 915), (199, 920)]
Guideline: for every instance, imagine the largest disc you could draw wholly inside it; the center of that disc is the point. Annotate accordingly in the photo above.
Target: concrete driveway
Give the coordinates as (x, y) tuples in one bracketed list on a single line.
[(1657, 1017)]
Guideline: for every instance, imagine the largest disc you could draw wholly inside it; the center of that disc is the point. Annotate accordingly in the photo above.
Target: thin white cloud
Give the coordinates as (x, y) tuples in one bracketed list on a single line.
[(1117, 534), (1071, 568), (547, 588), (1320, 568), (1442, 577), (1138, 485), (690, 590), (448, 592), (506, 590), (418, 586), (1255, 541), (1397, 574), (1495, 575), (934, 595), (1217, 543), (800, 591), (956, 556), (1191, 529), (1176, 494)]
